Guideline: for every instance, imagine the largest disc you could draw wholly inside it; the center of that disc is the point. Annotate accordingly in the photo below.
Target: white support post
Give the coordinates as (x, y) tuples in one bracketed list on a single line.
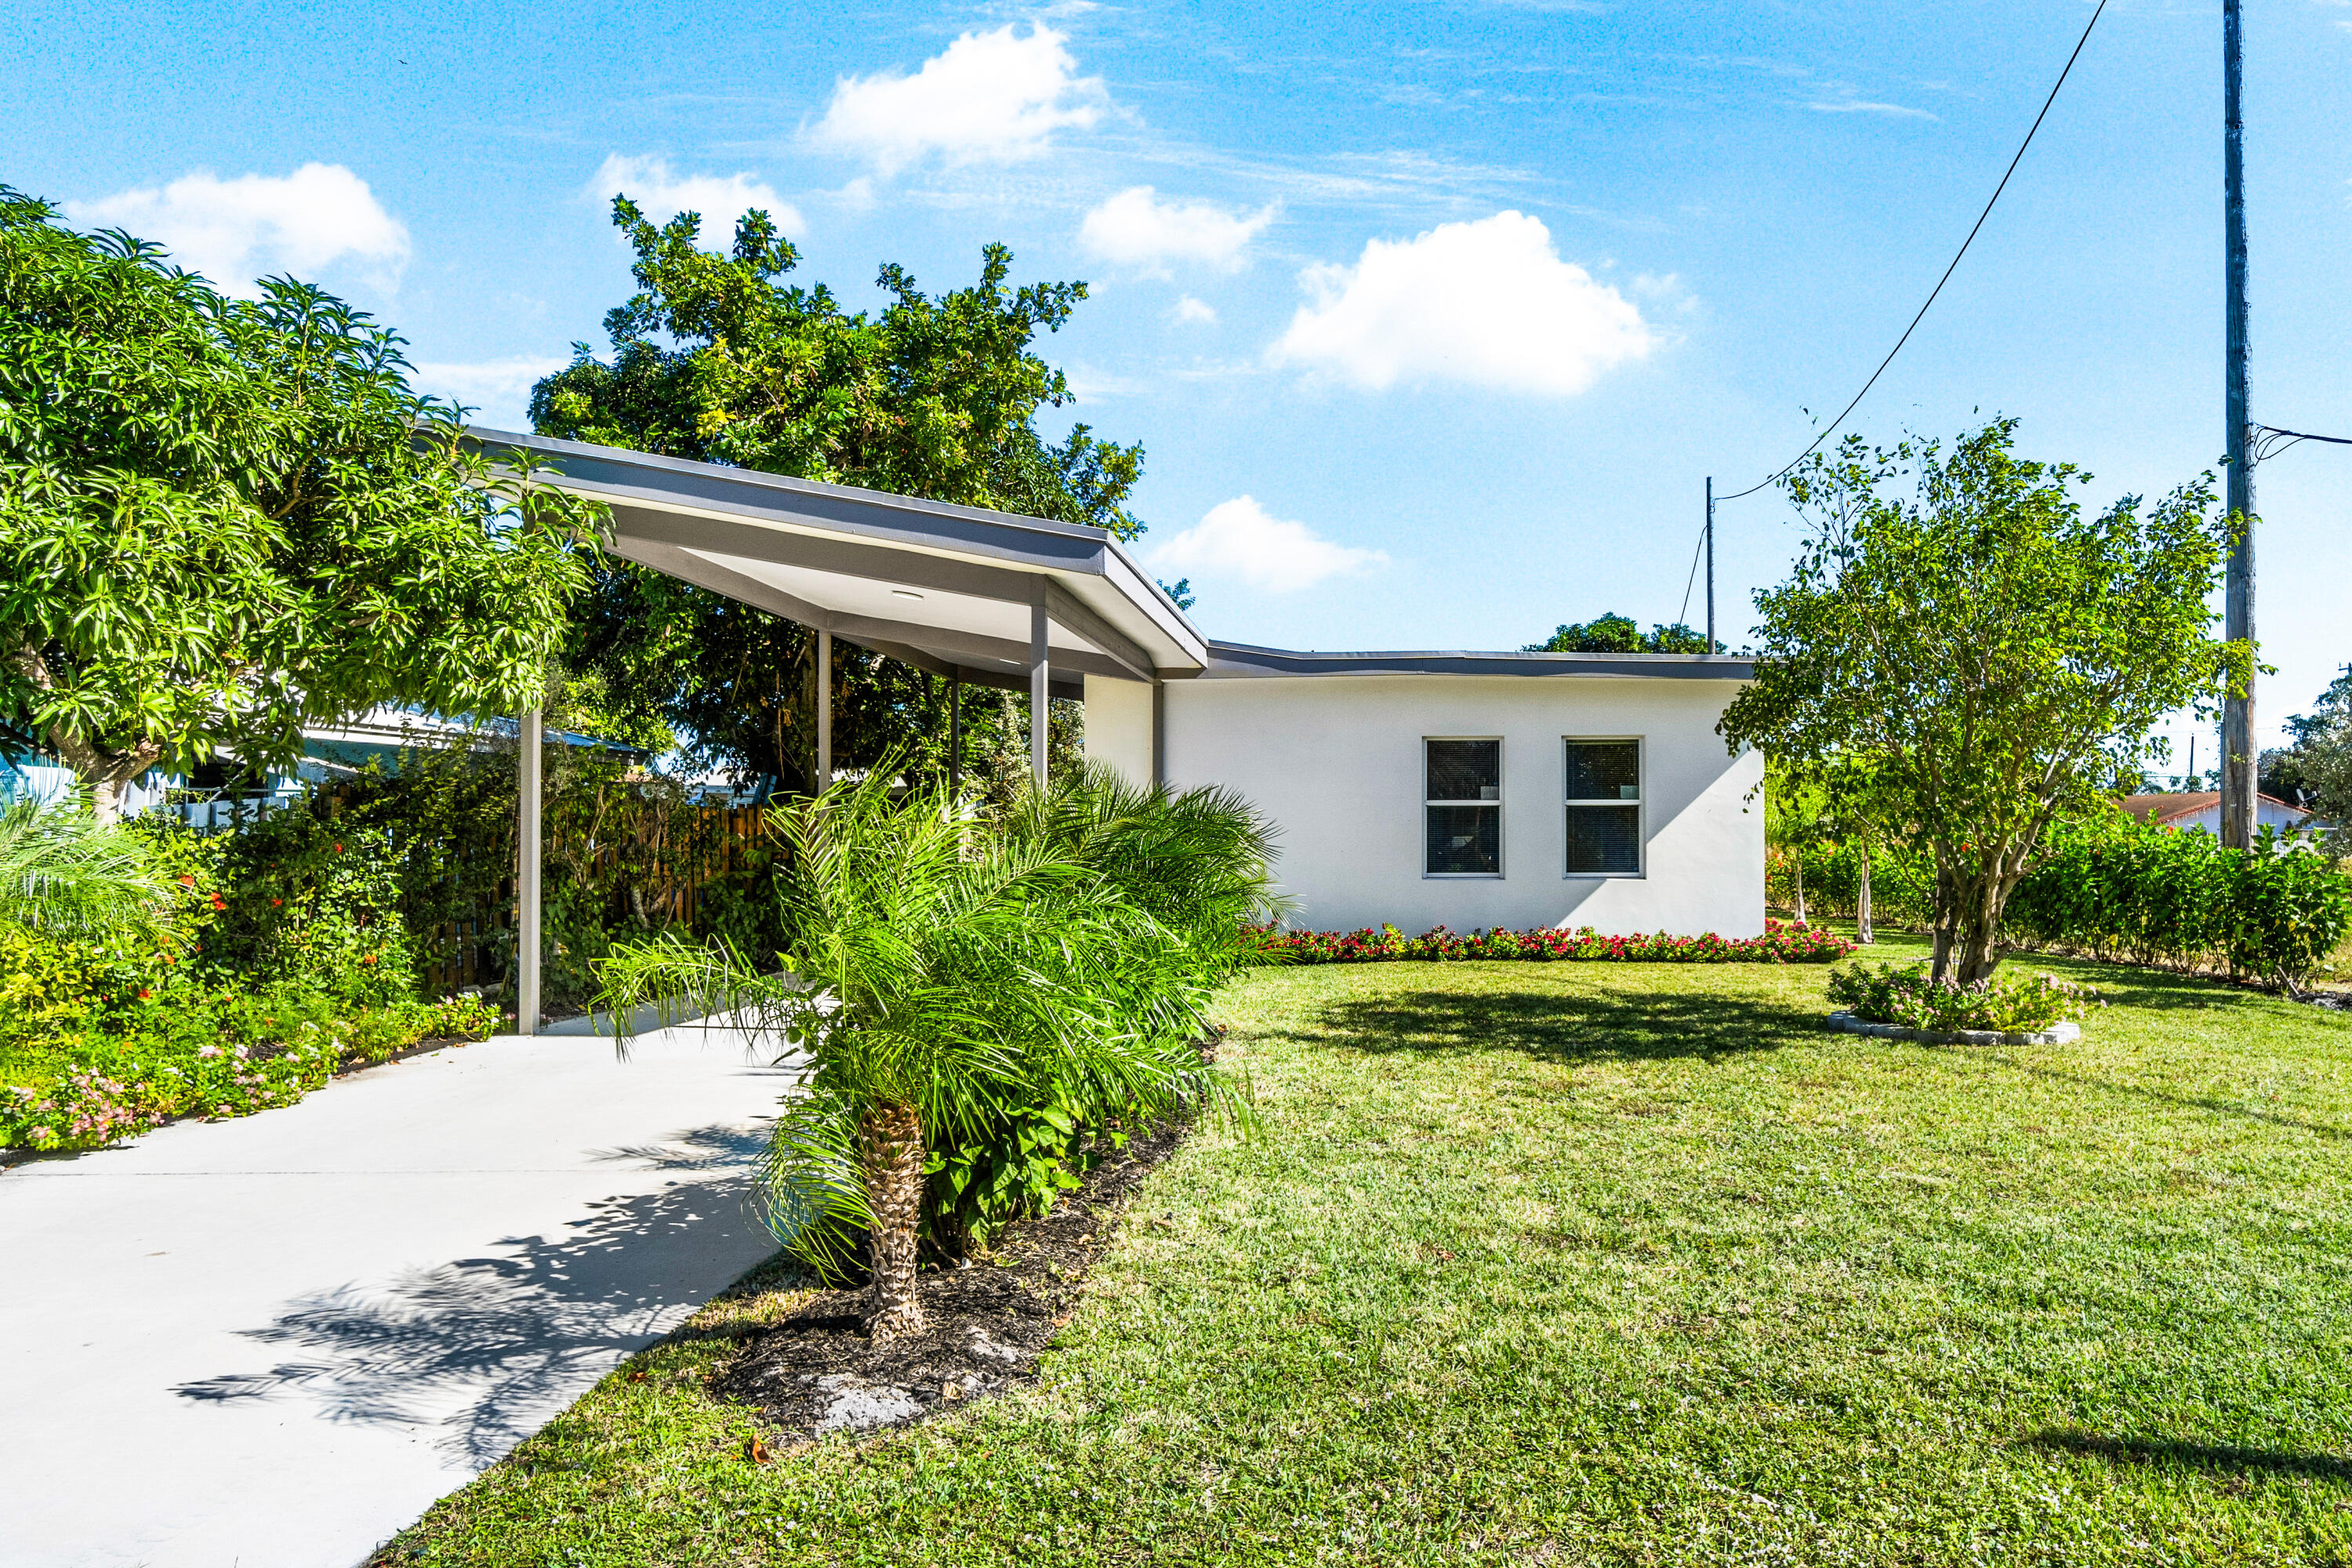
[(823, 712), (1041, 701), (531, 737)]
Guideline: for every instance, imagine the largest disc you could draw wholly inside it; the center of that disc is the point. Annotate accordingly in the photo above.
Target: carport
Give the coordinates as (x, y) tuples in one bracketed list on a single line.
[(979, 597)]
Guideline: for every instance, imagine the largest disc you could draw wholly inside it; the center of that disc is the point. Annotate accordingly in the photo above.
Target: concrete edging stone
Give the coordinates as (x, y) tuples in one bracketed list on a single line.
[(2056, 1035)]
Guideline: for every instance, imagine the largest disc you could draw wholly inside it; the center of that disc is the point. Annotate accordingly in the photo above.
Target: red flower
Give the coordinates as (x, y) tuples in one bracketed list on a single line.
[(186, 881)]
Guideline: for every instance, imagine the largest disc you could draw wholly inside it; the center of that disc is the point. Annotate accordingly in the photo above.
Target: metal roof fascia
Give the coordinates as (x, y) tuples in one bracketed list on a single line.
[(691, 486), (1244, 661)]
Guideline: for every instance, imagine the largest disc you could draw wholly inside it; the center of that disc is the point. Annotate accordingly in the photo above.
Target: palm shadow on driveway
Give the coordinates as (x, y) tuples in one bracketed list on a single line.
[(486, 1348)]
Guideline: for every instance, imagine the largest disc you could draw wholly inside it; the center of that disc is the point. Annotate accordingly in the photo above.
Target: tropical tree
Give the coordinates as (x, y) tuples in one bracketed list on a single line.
[(718, 359), (223, 518), (1994, 657), (1797, 817), (63, 871), (942, 976), (2316, 770), (1620, 633)]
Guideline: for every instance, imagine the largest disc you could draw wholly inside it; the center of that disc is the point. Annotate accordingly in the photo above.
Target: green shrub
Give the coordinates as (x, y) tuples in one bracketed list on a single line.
[(1907, 997), (2114, 887), (2120, 889), (1012, 1164), (309, 900)]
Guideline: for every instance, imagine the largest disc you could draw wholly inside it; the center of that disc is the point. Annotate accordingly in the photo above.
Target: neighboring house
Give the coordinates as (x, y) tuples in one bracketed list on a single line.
[(330, 752), (1468, 789), (26, 776), (2201, 808)]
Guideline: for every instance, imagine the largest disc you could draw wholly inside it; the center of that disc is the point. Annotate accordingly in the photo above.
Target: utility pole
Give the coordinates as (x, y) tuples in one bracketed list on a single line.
[(1710, 564), (2238, 584)]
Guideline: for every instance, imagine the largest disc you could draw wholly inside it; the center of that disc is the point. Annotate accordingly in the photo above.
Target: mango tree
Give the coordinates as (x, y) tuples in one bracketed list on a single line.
[(1992, 656), (223, 519)]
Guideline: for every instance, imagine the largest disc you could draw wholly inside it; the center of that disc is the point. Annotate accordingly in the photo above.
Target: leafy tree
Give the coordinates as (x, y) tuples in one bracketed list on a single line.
[(221, 519), (945, 978), (1618, 634), (1796, 818), (717, 359), (2316, 770), (1994, 657)]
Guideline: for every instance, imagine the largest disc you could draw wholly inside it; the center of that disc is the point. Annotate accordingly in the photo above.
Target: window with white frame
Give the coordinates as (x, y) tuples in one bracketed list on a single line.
[(1604, 807), (1462, 805)]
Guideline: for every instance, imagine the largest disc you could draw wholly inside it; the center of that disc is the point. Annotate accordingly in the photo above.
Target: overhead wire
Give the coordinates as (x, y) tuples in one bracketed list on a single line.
[(1682, 616), (2269, 441), (1827, 430)]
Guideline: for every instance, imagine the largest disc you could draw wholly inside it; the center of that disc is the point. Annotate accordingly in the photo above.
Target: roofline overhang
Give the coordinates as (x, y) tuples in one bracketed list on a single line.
[(862, 526), (1241, 660)]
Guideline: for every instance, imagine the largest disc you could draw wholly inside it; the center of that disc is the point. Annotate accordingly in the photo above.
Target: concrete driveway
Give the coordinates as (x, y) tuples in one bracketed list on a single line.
[(273, 1342)]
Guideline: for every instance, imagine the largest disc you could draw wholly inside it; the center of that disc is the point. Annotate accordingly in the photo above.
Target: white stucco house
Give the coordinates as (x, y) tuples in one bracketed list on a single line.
[(1419, 788), (1469, 789)]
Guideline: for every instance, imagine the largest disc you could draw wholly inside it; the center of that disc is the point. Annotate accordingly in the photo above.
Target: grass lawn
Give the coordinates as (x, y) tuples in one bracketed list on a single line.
[(1613, 1263)]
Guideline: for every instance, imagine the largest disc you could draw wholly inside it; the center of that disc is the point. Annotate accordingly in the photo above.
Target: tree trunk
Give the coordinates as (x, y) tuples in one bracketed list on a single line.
[(1797, 871), (1980, 952), (890, 1145), (1946, 918), (103, 774), (103, 770), (1861, 931)]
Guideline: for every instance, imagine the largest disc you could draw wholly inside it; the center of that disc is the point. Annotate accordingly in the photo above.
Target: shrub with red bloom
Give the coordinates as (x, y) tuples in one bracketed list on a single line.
[(1782, 942)]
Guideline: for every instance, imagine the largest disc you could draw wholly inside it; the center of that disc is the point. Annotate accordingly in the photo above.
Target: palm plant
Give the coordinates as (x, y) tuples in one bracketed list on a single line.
[(62, 870), (1198, 861), (940, 977)]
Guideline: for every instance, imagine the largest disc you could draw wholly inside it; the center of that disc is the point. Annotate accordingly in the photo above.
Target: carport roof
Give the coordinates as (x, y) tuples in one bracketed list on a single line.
[(953, 589), (950, 589)]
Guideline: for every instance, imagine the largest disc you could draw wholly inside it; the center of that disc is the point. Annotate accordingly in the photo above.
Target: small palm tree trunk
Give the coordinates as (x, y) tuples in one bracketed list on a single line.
[(890, 1144)]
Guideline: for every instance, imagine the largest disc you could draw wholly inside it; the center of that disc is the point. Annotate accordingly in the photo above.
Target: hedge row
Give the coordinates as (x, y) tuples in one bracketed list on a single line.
[(2118, 889), (1780, 943)]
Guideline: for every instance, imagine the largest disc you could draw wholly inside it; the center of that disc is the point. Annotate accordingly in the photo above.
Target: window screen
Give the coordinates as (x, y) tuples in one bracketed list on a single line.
[(1604, 810), (1462, 804)]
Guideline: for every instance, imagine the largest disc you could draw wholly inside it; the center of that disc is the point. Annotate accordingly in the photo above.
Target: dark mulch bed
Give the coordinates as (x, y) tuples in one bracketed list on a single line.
[(815, 1371)]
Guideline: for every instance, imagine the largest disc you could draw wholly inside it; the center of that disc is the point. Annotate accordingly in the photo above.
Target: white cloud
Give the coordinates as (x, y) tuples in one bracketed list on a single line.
[(1864, 106), (1490, 303), (1135, 228), (1189, 310), (1240, 538), (235, 230), (991, 98), (664, 194), (497, 390)]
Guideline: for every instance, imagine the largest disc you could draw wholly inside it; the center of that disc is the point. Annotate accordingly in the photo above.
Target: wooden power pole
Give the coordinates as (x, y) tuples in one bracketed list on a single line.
[(2237, 585)]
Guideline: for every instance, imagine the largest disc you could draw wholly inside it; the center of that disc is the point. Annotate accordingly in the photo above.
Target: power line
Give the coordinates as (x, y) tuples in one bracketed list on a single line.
[(1682, 616), (2269, 441), (1828, 429)]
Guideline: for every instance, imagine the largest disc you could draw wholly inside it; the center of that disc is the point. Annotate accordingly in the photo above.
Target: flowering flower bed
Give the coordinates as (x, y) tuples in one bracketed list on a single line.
[(1782, 942), (1907, 997), (118, 1087)]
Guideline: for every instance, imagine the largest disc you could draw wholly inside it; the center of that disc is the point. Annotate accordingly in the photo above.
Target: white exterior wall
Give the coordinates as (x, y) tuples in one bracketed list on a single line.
[(1337, 762), (1118, 726), (2268, 812)]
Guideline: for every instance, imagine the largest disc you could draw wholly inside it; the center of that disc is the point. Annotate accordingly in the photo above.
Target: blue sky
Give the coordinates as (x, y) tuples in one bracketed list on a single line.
[(1433, 317)]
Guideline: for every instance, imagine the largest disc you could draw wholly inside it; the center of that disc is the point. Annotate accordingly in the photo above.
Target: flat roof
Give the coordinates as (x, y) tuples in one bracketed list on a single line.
[(952, 588), (1230, 660)]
